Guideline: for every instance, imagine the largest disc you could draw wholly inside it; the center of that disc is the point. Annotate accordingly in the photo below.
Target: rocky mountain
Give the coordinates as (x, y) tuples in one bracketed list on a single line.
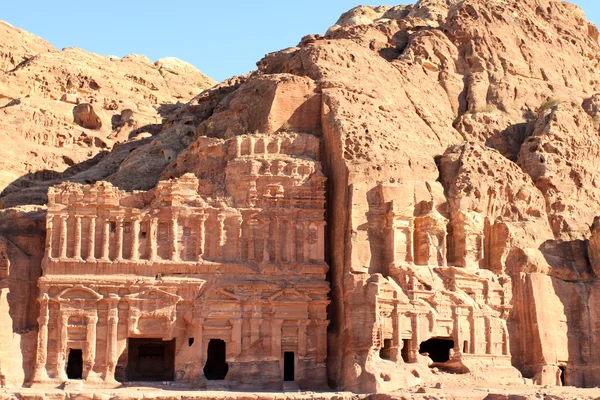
[(460, 141)]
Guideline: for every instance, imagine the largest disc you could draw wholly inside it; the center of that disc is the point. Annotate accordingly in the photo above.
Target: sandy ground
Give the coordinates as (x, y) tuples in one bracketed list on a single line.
[(449, 386)]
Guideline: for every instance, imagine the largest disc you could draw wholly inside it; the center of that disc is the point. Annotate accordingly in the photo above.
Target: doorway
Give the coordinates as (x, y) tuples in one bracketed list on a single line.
[(75, 364), (437, 348), (288, 366), (563, 372), (216, 367), (385, 353), (404, 353), (151, 360)]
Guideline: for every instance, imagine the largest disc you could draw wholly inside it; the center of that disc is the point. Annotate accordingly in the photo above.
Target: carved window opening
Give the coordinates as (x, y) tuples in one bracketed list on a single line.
[(143, 231), (190, 341), (127, 227), (187, 231), (75, 364), (385, 352), (113, 226), (465, 346), (288, 366), (151, 360), (437, 348), (216, 367), (404, 353)]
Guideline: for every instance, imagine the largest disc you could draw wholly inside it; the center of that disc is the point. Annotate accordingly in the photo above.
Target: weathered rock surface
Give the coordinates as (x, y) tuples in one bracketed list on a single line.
[(459, 140)]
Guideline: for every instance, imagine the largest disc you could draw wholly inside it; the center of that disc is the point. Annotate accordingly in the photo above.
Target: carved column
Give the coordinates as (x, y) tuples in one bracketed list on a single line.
[(135, 238), (91, 240), (251, 224), (291, 241), (77, 243), (200, 236), (63, 325), (174, 238), (321, 240), (276, 243), (49, 230), (302, 337), (416, 338), (199, 336), (63, 237), (239, 220), (321, 355), (473, 332), (119, 240), (236, 335), (266, 236), (220, 235), (106, 241), (90, 354), (396, 334), (276, 338), (305, 245), (153, 239), (488, 334), (111, 337), (41, 374), (457, 328)]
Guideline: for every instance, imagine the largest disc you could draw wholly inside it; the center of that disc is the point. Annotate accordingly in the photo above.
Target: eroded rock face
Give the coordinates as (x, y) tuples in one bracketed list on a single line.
[(458, 140)]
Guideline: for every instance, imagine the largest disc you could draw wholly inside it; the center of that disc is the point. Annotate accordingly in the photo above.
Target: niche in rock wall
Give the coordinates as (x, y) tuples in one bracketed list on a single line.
[(151, 360), (438, 349), (216, 367)]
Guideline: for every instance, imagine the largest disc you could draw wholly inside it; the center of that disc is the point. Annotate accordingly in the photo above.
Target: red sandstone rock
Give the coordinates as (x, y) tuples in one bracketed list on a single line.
[(458, 140)]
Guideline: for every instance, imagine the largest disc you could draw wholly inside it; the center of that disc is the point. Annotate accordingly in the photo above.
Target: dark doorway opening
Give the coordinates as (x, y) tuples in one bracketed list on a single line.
[(216, 367), (465, 346), (288, 366), (406, 343), (151, 360), (75, 364), (437, 348), (563, 372), (385, 352)]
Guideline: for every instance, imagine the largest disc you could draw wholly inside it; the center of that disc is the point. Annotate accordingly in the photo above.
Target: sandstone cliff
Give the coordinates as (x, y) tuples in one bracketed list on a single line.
[(460, 143)]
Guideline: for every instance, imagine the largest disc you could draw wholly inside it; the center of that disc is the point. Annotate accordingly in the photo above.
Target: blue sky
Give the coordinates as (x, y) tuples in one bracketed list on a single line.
[(221, 38)]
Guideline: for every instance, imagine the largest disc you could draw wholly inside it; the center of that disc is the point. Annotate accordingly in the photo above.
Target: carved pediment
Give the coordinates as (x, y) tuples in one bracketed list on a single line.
[(154, 295), (79, 293)]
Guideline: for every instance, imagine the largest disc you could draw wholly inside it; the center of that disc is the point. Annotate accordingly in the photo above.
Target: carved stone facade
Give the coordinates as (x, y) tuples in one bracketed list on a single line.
[(170, 275)]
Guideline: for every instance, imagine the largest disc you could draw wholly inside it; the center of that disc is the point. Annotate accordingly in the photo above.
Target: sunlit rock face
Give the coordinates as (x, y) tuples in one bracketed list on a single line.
[(414, 191)]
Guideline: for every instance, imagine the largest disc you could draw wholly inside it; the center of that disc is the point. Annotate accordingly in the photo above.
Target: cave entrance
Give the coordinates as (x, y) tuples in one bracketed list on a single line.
[(288, 366), (563, 373), (75, 364), (216, 367), (437, 348), (151, 360)]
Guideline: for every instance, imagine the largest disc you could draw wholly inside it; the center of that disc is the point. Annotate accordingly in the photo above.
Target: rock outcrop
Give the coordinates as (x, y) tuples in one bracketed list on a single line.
[(459, 142)]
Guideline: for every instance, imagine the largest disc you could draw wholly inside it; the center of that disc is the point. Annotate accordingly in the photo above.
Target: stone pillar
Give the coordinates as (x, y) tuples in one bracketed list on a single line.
[(105, 241), (266, 236), (305, 245), (488, 334), (41, 375), (236, 335), (135, 238), (119, 240), (251, 224), (291, 241), (302, 337), (49, 232), (153, 239), (473, 333), (77, 241), (90, 353), (91, 256), (276, 242), (457, 328), (200, 236), (199, 336), (321, 240), (112, 337), (276, 338), (63, 237), (416, 338), (174, 238), (63, 322), (396, 334), (220, 235), (321, 355), (239, 220)]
